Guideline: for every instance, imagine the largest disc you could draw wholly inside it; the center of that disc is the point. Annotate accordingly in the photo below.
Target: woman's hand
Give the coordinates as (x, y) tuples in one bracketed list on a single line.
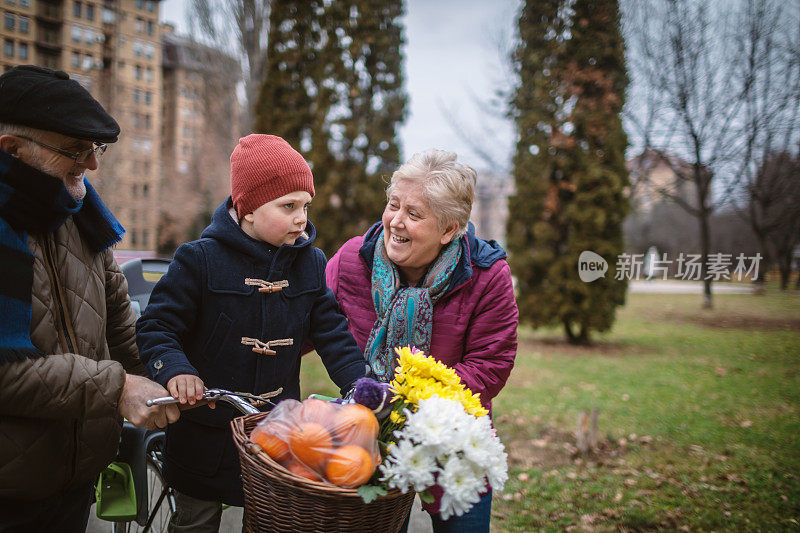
[(186, 388)]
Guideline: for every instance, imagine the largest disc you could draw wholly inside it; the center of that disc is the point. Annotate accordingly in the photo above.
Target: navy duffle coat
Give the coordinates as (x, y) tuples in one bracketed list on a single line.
[(207, 317)]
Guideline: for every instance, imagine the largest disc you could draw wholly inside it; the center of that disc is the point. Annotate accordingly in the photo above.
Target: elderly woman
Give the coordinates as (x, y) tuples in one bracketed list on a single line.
[(421, 277)]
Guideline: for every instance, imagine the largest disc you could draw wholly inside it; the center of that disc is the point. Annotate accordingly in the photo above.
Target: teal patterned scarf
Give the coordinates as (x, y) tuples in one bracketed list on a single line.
[(405, 314)]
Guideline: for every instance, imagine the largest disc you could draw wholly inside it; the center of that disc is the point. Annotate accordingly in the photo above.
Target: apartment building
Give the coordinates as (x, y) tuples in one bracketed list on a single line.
[(113, 49), (200, 130)]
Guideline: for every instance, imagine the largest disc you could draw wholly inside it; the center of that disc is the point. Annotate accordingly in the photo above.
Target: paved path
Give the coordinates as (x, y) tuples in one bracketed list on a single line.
[(232, 521), (687, 287)]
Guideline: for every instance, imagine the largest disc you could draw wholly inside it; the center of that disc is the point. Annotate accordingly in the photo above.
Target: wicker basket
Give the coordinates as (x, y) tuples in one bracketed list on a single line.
[(277, 500)]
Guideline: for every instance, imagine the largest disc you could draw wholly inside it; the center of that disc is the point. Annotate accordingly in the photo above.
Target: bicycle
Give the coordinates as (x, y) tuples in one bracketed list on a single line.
[(143, 450)]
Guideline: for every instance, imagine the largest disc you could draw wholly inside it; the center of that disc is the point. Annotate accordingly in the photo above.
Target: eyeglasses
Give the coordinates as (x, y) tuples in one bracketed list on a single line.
[(79, 157)]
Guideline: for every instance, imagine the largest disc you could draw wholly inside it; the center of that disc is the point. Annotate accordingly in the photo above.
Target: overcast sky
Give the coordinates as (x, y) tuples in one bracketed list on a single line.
[(452, 63)]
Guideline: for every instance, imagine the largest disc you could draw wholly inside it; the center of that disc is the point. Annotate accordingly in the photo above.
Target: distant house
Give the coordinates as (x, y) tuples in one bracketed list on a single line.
[(657, 176), (490, 208)]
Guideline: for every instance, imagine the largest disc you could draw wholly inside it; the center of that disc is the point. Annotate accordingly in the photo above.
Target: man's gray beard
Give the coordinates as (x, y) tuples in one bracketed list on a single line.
[(76, 191)]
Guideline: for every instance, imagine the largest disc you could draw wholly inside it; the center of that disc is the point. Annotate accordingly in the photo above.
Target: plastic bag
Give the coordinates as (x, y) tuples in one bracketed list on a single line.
[(322, 441)]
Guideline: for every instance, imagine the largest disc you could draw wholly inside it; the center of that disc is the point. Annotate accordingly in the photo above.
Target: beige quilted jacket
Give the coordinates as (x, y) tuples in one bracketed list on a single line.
[(59, 425)]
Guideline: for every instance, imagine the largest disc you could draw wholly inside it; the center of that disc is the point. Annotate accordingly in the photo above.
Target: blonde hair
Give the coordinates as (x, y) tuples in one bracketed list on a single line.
[(448, 186)]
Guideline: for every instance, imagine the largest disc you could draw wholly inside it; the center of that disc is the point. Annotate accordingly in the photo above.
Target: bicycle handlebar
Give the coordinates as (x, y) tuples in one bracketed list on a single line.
[(236, 399)]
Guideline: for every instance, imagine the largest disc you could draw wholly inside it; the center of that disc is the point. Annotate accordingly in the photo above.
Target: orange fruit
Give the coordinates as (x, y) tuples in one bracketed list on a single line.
[(319, 411), (311, 444), (356, 424), (273, 439), (298, 468), (349, 466)]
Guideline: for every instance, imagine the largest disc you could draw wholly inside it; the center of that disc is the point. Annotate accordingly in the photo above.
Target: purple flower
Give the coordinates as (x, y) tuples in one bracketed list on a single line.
[(374, 395)]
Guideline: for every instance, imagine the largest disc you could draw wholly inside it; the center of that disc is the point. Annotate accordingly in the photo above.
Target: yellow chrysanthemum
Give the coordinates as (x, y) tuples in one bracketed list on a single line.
[(419, 377)]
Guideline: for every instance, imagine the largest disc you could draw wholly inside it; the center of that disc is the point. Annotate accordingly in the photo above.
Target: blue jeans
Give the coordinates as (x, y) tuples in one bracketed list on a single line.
[(67, 513), (476, 520)]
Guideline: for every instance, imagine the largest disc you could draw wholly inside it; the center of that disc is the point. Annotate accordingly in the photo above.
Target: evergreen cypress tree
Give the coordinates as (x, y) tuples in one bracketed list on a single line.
[(290, 93), (569, 165), (334, 89)]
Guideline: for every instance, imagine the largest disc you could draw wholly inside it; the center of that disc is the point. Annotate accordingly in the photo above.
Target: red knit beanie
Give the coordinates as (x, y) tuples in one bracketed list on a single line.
[(265, 167)]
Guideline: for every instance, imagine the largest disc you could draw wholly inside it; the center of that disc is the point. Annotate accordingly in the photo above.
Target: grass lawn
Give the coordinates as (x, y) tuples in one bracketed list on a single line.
[(699, 419)]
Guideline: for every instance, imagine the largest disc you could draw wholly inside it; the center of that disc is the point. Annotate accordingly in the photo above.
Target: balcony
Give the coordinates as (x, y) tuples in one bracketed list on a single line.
[(49, 13), (49, 39)]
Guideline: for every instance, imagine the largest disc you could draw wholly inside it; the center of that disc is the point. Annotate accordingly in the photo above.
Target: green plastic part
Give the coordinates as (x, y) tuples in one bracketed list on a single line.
[(115, 493)]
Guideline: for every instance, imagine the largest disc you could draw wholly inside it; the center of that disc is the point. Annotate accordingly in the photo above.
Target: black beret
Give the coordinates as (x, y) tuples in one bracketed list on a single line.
[(48, 100)]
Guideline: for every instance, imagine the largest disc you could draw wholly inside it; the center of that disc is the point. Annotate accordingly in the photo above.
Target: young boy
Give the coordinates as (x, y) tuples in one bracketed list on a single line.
[(232, 312)]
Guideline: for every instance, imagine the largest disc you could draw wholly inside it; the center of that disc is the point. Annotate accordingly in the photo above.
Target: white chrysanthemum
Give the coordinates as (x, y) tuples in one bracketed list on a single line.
[(497, 474), (475, 444), (450, 506), (434, 423), (442, 444), (410, 465), (462, 485)]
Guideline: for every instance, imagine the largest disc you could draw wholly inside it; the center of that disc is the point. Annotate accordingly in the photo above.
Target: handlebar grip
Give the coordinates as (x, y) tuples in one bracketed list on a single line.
[(167, 400)]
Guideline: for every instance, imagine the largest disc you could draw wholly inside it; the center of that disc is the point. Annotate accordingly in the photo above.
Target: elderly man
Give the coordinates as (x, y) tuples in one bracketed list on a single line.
[(67, 340)]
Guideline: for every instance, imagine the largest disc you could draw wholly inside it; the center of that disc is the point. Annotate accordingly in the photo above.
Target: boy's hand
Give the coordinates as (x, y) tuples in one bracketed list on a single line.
[(186, 388)]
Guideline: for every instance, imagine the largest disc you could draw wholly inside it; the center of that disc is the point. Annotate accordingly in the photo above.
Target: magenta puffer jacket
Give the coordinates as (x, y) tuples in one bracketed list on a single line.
[(474, 323)]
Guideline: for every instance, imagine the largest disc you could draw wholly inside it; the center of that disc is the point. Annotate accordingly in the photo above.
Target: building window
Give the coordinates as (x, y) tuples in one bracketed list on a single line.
[(150, 5), (139, 4), (89, 12), (76, 33), (145, 190), (50, 36), (137, 48), (10, 1), (8, 48), (24, 24), (50, 61), (138, 25), (137, 72), (76, 60), (10, 21), (148, 74), (22, 51), (150, 27), (137, 95), (148, 97), (25, 3), (77, 8), (144, 237), (108, 16)]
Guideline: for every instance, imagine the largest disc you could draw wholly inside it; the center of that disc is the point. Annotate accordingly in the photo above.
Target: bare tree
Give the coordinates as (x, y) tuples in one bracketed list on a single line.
[(699, 71), (241, 29), (770, 202), (774, 209), (488, 139)]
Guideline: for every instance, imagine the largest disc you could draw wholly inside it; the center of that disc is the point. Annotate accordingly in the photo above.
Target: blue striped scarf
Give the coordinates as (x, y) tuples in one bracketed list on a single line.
[(405, 314), (34, 202)]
